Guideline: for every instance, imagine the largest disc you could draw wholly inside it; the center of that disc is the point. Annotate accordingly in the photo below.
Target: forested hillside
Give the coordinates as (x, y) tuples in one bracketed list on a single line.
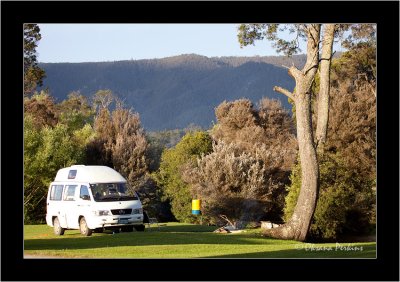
[(176, 91)]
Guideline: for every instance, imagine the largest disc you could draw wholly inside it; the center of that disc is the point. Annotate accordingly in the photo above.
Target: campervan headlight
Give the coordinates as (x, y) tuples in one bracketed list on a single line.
[(137, 211), (101, 212)]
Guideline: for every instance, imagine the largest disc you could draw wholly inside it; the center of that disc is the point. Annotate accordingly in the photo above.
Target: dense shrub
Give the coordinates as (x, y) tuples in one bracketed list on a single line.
[(346, 200), (120, 140), (169, 175), (233, 183), (266, 135)]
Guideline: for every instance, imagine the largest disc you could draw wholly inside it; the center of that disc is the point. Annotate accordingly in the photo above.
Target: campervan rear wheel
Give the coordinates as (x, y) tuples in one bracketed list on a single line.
[(58, 230), (84, 228), (139, 227)]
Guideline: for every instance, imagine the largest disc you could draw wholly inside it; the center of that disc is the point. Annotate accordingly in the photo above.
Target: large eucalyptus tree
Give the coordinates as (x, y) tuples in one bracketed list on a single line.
[(298, 225)]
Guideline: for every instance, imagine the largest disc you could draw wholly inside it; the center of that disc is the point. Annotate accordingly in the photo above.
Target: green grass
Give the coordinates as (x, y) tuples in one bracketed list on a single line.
[(178, 240)]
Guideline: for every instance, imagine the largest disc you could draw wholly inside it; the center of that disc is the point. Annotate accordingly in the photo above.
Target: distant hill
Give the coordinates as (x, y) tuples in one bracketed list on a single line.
[(176, 91)]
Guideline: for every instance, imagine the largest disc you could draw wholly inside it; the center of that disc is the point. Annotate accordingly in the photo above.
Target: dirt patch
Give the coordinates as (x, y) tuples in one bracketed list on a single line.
[(26, 256)]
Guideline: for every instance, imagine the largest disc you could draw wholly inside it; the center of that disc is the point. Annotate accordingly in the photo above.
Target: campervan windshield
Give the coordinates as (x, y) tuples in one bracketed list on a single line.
[(105, 192)]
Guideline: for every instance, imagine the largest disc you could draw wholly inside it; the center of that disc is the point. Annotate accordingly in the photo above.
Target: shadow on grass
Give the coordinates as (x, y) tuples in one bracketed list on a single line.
[(166, 235), (192, 235), (181, 228), (362, 251)]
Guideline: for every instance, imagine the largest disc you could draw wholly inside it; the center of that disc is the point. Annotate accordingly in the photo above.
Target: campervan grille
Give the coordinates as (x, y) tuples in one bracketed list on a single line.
[(121, 211)]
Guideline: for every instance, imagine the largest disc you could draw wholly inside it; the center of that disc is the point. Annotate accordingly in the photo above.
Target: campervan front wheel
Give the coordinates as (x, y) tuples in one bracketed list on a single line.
[(58, 230), (84, 228)]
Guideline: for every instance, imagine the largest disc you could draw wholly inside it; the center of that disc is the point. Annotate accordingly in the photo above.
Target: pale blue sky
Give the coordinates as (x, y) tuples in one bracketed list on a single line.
[(113, 42)]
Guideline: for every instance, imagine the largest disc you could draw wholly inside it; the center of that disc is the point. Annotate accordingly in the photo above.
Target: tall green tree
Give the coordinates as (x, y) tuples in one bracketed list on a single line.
[(33, 74), (75, 111), (46, 150), (173, 163)]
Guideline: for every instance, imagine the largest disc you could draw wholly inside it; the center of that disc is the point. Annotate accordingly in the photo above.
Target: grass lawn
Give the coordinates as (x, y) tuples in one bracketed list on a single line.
[(178, 240)]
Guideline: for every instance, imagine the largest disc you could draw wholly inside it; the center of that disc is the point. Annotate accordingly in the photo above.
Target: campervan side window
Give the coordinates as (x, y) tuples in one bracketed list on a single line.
[(56, 192), (69, 194), (84, 194)]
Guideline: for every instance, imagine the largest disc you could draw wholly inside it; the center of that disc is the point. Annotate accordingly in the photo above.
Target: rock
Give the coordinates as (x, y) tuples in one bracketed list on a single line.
[(268, 225), (222, 230)]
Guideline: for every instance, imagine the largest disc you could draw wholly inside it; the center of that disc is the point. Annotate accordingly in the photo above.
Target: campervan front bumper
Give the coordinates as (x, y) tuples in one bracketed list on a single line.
[(108, 221)]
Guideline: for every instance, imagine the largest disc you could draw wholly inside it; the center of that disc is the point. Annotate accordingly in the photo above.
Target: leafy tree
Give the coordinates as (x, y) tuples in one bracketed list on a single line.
[(120, 140), (357, 66), (297, 227), (75, 111), (42, 108), (46, 150), (129, 145), (169, 175), (361, 34), (33, 75), (98, 151), (347, 198), (153, 153), (346, 201), (352, 126), (159, 140), (102, 99)]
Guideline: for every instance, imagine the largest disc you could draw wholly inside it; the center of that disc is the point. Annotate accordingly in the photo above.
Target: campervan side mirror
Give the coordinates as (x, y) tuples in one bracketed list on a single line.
[(85, 197)]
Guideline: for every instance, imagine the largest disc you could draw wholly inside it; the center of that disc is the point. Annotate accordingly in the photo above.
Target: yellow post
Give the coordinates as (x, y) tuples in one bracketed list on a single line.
[(196, 205)]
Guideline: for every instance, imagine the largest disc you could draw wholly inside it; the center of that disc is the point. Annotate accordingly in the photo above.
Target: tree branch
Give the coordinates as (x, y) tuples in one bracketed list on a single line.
[(284, 92), (325, 59), (295, 73), (314, 66)]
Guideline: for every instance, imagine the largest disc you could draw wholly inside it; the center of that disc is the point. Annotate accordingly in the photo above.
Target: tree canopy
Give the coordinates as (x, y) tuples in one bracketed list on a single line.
[(173, 162), (33, 74)]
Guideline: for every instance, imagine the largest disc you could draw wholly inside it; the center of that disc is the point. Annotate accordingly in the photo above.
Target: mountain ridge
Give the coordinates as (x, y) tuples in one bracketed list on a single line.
[(176, 91)]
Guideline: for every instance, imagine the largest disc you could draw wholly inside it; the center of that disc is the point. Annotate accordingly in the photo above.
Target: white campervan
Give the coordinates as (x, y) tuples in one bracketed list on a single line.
[(92, 198)]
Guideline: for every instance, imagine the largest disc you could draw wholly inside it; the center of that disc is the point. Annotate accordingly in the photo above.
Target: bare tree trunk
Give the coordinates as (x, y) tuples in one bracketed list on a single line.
[(323, 97), (297, 227)]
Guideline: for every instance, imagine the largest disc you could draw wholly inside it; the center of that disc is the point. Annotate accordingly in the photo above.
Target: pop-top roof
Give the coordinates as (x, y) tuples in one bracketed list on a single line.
[(90, 174)]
